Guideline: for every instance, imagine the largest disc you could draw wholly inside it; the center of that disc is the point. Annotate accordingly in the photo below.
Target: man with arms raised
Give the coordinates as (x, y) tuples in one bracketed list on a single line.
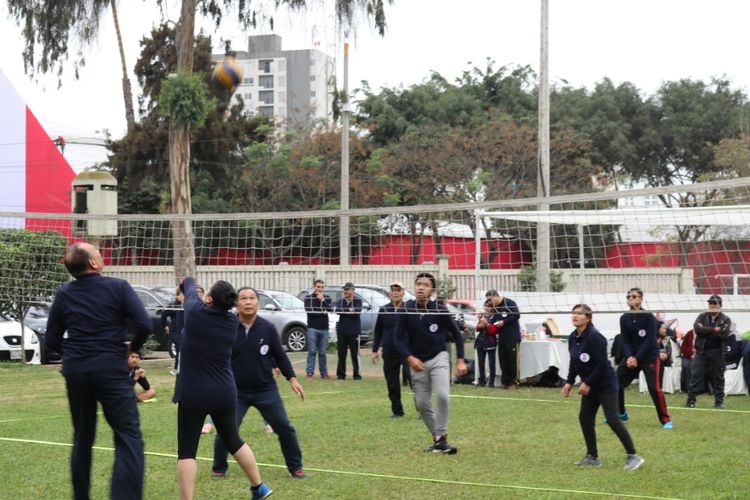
[(420, 339), (256, 352), (94, 310)]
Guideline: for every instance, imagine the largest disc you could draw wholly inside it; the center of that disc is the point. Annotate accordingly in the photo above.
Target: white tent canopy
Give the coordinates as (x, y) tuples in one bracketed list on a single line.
[(735, 215)]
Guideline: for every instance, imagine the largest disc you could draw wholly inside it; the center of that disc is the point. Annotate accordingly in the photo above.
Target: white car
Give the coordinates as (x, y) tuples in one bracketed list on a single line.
[(10, 342)]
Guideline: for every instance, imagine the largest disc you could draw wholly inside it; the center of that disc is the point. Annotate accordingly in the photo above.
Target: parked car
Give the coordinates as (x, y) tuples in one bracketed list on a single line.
[(156, 300), (10, 342), (373, 298), (36, 319), (287, 313)]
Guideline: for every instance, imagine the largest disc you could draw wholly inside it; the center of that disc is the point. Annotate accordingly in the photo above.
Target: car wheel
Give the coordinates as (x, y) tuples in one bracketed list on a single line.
[(295, 339), (172, 350)]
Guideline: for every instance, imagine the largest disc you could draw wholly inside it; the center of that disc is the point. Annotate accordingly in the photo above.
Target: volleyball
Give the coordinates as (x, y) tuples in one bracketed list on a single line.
[(227, 73)]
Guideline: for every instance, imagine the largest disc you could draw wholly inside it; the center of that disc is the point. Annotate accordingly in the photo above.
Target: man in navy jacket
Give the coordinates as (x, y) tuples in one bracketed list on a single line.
[(317, 306), (348, 330), (505, 318), (420, 338), (257, 351), (384, 332), (94, 310)]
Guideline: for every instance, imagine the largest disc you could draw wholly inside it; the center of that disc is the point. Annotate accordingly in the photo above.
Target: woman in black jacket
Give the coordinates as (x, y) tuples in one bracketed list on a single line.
[(588, 360)]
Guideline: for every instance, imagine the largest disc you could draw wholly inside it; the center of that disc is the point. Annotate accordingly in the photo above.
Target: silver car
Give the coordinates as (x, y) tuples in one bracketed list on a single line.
[(287, 313)]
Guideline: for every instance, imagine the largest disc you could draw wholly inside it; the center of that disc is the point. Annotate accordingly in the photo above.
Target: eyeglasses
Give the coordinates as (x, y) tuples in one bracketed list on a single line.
[(632, 296)]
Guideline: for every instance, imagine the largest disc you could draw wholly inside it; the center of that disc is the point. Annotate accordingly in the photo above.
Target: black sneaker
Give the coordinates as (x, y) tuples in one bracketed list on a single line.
[(690, 404), (719, 405), (442, 446)]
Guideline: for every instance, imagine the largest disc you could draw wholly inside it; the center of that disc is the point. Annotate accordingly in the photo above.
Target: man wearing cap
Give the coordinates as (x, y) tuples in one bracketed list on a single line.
[(385, 327), (348, 330), (712, 331), (505, 318)]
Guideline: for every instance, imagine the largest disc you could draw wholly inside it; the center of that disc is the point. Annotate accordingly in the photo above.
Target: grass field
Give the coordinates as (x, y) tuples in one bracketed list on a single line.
[(519, 444)]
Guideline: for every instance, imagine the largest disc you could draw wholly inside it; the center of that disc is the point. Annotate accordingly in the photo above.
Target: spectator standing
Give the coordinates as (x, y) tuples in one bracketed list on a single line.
[(505, 316), (664, 342), (205, 385), (317, 305), (348, 331), (421, 341), (588, 360), (256, 353), (384, 332), (687, 352), (485, 344), (88, 325), (172, 319), (640, 353), (711, 333)]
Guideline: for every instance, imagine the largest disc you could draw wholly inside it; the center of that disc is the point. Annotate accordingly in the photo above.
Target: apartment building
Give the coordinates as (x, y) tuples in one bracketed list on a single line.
[(293, 86)]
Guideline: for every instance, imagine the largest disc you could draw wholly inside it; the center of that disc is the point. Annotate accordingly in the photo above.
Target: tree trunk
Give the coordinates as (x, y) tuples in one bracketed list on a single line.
[(179, 155), (127, 93)]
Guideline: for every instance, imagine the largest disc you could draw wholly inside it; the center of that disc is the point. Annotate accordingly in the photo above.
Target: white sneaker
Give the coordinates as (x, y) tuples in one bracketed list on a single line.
[(632, 462)]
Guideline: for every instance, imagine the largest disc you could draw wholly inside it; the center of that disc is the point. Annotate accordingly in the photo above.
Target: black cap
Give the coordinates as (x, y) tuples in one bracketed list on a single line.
[(714, 299), (491, 293), (348, 285)]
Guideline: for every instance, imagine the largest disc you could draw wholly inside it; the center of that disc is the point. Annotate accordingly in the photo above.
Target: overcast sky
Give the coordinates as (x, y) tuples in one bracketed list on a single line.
[(642, 41)]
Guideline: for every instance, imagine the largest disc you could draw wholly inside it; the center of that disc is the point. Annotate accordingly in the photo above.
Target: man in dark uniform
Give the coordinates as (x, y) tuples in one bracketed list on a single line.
[(256, 352), (640, 352), (95, 310), (420, 339), (348, 330), (712, 331), (505, 318), (385, 327), (317, 305)]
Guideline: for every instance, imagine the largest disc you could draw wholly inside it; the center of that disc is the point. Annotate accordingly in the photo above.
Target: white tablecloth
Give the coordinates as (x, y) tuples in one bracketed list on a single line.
[(734, 381), (535, 357), (538, 355)]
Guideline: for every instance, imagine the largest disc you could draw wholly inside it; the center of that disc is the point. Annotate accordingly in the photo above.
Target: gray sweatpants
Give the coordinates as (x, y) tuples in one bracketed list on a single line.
[(435, 378)]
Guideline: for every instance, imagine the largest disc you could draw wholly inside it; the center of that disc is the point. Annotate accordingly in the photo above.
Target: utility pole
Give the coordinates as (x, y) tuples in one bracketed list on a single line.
[(542, 184), (344, 239)]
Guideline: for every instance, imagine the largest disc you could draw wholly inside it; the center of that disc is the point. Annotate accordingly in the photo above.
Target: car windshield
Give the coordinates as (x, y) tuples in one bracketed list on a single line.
[(163, 294), (38, 311), (375, 299), (287, 301)]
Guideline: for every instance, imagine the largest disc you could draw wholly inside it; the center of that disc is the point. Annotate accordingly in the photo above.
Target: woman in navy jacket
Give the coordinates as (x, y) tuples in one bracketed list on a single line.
[(589, 361), (205, 384)]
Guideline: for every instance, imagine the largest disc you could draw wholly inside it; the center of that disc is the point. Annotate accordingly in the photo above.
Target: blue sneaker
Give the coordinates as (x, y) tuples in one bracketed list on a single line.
[(667, 425), (262, 491), (623, 417)]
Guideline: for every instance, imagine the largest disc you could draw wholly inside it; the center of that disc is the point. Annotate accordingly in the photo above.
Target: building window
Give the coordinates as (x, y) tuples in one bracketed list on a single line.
[(281, 66), (264, 65), (265, 81), (312, 93), (247, 96), (266, 96), (248, 81), (312, 78), (281, 82), (266, 110), (281, 96)]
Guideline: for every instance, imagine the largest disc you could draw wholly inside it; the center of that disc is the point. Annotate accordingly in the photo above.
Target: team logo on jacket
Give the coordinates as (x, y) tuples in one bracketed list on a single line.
[(263, 350), (504, 315), (433, 327), (584, 357), (641, 332)]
